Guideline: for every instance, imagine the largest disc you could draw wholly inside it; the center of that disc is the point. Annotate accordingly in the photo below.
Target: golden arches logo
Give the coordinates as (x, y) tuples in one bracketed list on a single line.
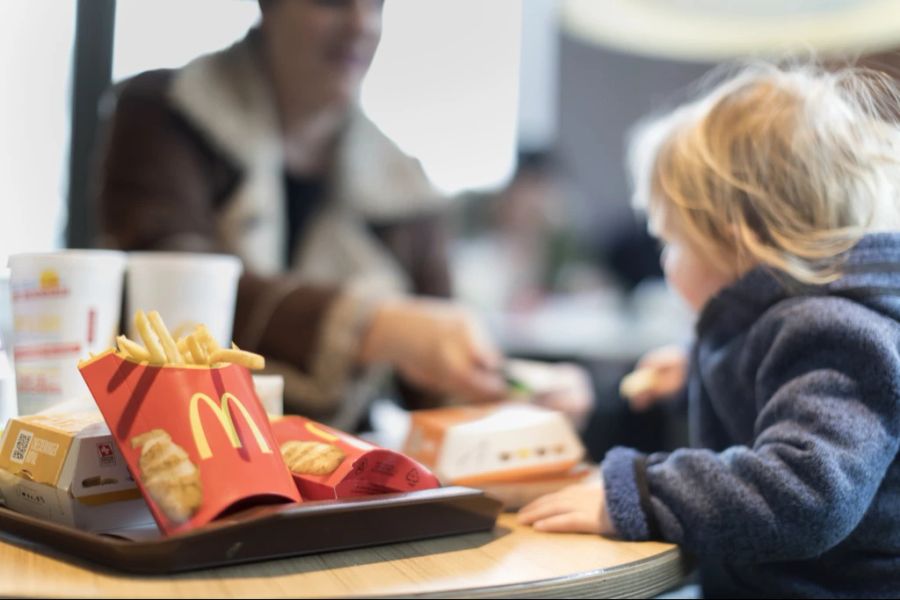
[(223, 415), (328, 437)]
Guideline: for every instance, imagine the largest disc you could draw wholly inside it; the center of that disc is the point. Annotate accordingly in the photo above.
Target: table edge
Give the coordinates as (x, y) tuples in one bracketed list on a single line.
[(596, 583)]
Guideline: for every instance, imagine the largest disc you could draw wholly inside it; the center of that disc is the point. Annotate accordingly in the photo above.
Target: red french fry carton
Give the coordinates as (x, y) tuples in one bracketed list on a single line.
[(196, 439), (328, 464)]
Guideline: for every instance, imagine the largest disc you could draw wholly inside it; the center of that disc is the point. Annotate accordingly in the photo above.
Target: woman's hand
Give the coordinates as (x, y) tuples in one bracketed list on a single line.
[(437, 345), (658, 375), (565, 387), (576, 509)]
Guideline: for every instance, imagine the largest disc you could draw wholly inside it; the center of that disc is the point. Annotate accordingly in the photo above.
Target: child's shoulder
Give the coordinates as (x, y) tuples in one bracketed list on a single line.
[(832, 312), (836, 325), (818, 347)]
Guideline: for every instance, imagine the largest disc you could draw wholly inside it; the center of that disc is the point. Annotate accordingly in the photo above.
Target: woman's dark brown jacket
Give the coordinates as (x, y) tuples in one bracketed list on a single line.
[(192, 161)]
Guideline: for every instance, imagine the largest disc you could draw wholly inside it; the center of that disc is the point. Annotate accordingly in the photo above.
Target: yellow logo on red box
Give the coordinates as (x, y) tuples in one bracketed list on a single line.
[(223, 415)]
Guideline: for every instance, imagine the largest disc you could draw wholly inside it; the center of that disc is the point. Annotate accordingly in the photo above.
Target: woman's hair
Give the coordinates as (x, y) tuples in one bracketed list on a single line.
[(785, 166)]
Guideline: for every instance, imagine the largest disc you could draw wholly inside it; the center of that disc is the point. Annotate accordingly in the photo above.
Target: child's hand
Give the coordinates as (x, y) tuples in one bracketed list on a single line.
[(575, 509), (658, 375)]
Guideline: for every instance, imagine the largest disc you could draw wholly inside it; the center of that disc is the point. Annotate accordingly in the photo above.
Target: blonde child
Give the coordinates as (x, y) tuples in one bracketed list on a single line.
[(777, 195)]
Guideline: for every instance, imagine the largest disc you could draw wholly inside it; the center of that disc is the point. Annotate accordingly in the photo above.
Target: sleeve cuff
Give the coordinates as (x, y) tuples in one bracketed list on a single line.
[(323, 383), (344, 325), (627, 495)]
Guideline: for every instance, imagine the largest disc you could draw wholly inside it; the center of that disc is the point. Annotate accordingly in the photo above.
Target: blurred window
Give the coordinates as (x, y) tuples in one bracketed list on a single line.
[(444, 84), (154, 34), (35, 64)]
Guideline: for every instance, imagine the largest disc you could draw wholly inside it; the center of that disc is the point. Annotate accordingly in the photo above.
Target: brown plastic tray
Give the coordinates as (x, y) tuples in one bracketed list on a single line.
[(273, 531)]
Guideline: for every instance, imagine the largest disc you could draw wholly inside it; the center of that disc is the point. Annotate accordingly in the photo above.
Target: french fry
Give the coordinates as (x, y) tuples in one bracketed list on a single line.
[(157, 354), (197, 350), (168, 343), (132, 349), (238, 357), (206, 338), (184, 351), (190, 359)]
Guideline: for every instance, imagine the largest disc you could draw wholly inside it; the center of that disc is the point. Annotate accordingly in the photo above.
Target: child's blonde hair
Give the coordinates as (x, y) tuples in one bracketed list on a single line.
[(782, 166)]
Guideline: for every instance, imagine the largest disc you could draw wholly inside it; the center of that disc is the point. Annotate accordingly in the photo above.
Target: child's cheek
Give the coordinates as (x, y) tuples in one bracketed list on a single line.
[(684, 277), (670, 264)]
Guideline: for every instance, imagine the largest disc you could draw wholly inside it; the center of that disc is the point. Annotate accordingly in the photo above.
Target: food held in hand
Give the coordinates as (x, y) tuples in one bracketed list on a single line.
[(637, 382)]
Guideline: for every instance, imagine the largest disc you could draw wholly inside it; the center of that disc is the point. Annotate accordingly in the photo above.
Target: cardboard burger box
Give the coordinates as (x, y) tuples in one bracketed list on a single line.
[(480, 445), (66, 468)]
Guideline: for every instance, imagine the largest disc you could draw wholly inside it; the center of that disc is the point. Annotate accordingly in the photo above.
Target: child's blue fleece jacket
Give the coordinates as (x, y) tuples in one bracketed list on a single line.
[(792, 485)]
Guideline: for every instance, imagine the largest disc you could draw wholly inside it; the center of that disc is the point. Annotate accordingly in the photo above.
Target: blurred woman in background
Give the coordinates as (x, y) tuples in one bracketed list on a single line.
[(261, 151)]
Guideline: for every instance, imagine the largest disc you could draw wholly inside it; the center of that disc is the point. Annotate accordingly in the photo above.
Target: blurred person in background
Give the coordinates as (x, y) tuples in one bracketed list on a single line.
[(262, 151), (518, 234)]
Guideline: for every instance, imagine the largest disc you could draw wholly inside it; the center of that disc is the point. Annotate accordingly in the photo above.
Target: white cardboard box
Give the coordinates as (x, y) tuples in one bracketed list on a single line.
[(66, 468), (477, 445)]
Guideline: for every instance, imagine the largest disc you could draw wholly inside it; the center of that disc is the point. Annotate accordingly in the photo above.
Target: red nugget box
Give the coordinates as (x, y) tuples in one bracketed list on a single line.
[(328, 464), (196, 438)]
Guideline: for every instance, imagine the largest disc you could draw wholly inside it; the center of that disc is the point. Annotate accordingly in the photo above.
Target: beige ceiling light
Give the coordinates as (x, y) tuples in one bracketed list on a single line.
[(712, 30)]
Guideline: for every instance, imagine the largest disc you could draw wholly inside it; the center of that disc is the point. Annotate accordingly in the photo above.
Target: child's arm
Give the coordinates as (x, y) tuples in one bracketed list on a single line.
[(824, 437)]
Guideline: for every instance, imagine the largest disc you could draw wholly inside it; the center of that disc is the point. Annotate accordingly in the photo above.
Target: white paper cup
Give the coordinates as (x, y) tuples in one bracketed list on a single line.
[(270, 390), (186, 288), (65, 305)]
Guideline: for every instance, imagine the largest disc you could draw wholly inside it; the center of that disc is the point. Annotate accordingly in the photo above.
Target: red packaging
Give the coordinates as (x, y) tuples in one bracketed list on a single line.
[(196, 439), (347, 466)]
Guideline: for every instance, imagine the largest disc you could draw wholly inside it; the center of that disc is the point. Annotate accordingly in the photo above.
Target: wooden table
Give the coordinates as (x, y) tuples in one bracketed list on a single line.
[(509, 561)]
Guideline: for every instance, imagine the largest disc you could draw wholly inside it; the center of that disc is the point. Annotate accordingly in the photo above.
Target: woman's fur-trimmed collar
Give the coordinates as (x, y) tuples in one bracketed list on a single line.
[(227, 96)]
